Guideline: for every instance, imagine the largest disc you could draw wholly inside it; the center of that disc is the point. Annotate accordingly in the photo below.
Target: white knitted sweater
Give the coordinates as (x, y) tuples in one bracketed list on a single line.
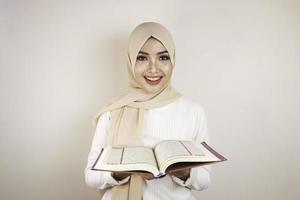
[(179, 120)]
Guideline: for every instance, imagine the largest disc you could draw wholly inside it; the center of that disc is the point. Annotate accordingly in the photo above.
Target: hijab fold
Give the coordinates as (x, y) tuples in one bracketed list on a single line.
[(127, 111)]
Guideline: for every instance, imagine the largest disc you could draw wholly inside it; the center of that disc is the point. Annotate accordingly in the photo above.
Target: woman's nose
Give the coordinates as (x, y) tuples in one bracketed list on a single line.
[(153, 67)]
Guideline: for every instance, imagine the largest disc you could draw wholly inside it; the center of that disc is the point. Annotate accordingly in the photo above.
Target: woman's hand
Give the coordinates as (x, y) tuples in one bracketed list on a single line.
[(182, 174), (121, 175)]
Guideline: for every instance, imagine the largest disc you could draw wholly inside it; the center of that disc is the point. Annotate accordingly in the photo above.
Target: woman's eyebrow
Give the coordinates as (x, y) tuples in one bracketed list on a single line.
[(142, 52), (162, 52)]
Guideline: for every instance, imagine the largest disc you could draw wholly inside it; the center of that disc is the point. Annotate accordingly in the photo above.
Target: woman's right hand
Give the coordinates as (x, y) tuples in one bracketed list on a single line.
[(119, 175)]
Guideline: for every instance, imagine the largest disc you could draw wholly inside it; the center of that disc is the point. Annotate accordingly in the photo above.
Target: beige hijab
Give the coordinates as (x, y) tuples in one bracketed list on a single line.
[(127, 111)]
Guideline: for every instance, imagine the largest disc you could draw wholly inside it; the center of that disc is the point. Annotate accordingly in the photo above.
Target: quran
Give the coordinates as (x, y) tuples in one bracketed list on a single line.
[(166, 156)]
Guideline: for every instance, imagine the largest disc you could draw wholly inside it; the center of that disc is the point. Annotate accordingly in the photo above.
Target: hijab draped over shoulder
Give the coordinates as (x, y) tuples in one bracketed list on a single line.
[(127, 111)]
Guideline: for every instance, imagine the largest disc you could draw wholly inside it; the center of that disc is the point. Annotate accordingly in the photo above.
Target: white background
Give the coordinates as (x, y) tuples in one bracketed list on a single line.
[(62, 60)]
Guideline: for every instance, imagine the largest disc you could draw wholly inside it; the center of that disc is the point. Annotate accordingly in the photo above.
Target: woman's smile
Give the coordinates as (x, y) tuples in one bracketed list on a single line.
[(153, 80)]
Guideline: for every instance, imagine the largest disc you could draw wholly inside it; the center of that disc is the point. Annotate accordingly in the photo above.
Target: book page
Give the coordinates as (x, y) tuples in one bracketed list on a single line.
[(169, 148), (195, 150), (136, 155), (115, 156)]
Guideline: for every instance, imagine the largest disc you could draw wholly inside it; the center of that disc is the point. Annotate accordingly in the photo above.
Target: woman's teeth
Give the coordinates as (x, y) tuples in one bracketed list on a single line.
[(153, 80)]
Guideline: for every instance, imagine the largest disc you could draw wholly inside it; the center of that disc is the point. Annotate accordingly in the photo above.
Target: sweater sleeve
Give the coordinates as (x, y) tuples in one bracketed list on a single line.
[(200, 177), (100, 179)]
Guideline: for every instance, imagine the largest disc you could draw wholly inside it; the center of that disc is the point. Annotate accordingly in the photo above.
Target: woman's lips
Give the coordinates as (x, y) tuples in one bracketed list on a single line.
[(153, 80)]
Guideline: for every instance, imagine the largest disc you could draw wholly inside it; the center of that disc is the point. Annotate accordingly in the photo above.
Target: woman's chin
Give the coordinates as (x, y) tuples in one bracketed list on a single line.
[(153, 88)]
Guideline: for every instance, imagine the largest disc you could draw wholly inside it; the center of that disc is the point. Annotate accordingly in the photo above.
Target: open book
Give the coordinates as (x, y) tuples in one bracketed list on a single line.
[(167, 156)]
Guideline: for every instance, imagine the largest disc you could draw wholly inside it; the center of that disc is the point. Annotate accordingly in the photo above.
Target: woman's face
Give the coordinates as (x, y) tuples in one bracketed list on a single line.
[(153, 67)]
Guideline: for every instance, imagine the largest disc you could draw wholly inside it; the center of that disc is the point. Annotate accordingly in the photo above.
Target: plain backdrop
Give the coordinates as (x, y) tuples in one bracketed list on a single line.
[(63, 60)]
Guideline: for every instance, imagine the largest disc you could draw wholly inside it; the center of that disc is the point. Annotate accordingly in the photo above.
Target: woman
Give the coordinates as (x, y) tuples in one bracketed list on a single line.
[(150, 112)]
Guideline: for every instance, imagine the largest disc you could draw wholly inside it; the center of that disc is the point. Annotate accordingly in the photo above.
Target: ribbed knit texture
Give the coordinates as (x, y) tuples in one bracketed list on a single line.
[(179, 120)]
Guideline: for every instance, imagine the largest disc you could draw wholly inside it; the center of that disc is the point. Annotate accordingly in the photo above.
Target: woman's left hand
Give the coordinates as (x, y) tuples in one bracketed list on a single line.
[(182, 174)]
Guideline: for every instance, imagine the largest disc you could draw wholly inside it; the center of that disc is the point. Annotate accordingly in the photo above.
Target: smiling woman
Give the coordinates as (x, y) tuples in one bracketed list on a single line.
[(153, 68), (135, 119)]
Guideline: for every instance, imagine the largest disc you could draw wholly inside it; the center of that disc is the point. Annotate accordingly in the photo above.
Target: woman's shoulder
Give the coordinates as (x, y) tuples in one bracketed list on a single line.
[(104, 116)]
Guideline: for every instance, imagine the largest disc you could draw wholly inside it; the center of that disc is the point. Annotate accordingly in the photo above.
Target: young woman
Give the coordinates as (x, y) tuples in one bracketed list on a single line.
[(150, 112)]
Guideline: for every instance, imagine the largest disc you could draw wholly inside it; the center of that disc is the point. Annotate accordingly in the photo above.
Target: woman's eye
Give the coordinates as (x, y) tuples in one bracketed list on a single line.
[(141, 58), (164, 57)]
